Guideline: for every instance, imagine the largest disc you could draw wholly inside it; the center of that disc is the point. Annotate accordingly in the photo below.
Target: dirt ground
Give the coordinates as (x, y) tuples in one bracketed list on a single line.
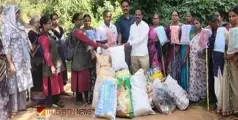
[(194, 112)]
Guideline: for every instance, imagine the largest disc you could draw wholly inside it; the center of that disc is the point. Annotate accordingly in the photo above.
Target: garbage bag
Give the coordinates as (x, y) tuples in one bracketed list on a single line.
[(118, 58), (104, 71), (140, 100), (155, 73), (162, 100), (124, 97), (179, 94), (107, 102)]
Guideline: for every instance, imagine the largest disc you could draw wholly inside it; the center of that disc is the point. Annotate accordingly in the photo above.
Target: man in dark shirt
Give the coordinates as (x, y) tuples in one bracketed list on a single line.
[(123, 25), (213, 24)]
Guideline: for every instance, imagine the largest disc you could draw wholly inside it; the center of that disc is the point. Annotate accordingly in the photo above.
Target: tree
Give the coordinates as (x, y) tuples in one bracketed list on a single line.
[(199, 8)]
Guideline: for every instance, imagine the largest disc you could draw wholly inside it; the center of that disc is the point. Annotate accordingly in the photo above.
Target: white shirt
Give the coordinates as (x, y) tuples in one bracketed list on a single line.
[(138, 39), (101, 33), (221, 37)]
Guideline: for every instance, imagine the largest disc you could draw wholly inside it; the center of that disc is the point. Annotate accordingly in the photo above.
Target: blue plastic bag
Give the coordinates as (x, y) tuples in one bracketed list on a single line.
[(107, 102)]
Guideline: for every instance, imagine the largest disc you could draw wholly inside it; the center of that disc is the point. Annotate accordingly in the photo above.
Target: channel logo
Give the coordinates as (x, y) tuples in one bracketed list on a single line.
[(41, 111)]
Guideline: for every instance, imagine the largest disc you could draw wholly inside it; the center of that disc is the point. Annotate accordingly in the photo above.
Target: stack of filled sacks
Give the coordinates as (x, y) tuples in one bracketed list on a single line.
[(105, 90), (104, 72), (131, 100), (124, 97), (165, 93)]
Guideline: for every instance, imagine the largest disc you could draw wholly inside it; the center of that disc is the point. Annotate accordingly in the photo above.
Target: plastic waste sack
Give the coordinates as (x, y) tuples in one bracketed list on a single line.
[(163, 101), (149, 88), (155, 73), (107, 102), (104, 71), (140, 100), (179, 94), (124, 98), (118, 58)]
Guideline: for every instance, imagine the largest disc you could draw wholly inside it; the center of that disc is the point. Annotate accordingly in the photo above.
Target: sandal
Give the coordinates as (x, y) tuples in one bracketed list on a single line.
[(78, 103), (60, 104)]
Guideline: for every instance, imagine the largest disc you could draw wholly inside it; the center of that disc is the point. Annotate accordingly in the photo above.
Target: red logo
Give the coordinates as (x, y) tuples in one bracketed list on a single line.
[(41, 111)]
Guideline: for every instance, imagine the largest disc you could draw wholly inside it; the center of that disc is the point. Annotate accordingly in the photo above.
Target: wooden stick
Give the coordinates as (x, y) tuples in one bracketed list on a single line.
[(187, 71), (208, 106)]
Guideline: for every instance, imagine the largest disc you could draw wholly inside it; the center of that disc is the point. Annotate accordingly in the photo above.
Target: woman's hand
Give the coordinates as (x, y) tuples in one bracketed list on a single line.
[(11, 69), (53, 70), (229, 57), (103, 46)]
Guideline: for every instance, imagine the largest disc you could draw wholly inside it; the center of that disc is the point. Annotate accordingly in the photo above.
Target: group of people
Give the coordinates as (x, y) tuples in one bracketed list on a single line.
[(35, 59)]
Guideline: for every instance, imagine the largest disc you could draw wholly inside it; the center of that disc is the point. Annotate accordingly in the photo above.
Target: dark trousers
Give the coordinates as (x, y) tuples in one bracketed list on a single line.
[(212, 96), (218, 62), (51, 99), (128, 56)]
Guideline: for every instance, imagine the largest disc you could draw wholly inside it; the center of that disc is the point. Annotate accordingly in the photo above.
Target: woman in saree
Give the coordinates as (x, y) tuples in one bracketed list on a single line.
[(197, 77), (52, 66), (173, 60), (81, 62), (154, 45), (17, 49), (186, 29), (229, 84), (36, 61)]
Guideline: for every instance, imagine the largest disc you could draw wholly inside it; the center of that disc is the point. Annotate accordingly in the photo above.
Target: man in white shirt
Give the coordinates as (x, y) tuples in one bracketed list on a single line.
[(102, 30), (138, 39)]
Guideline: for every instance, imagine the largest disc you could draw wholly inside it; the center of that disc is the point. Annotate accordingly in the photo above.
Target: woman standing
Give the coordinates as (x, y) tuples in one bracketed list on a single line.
[(17, 49), (52, 67), (154, 45), (197, 82), (221, 17), (92, 74), (4, 90), (229, 86), (4, 94), (36, 61), (186, 29), (173, 33), (81, 62), (58, 34)]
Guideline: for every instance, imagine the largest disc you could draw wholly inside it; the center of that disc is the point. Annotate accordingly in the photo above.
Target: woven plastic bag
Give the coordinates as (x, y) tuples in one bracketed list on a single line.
[(124, 97), (104, 71), (107, 102), (140, 100)]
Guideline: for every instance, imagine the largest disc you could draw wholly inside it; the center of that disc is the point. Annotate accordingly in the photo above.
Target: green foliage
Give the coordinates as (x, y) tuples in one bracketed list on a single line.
[(66, 8), (199, 8)]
